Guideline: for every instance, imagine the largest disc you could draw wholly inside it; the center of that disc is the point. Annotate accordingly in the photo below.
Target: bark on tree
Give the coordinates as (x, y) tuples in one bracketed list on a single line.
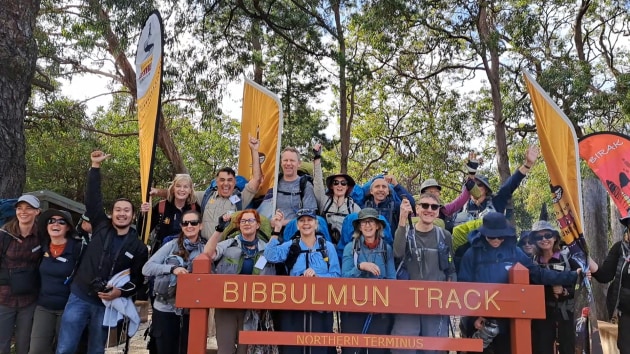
[(596, 233), (18, 54)]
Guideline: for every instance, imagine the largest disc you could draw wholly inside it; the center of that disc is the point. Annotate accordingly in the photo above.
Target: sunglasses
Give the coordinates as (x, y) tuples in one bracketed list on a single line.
[(529, 242), (500, 238), (429, 205), (191, 222), (546, 236), (368, 222), (248, 221), (57, 221), (337, 182)]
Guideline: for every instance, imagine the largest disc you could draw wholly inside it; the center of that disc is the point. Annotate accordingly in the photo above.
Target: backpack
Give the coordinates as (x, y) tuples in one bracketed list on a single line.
[(295, 251), (7, 210), (347, 230), (291, 229), (412, 249), (335, 234), (165, 285), (304, 179), (211, 192), (366, 191), (356, 248), (232, 229), (265, 206)]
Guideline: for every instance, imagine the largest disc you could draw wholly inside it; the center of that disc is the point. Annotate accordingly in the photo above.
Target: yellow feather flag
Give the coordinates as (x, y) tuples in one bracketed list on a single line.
[(559, 146), (149, 61), (262, 118)]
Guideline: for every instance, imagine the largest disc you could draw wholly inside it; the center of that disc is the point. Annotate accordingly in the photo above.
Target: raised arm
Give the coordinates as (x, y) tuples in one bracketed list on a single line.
[(93, 194)]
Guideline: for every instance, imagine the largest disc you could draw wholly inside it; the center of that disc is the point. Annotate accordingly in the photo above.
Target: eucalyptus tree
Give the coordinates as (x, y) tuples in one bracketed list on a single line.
[(18, 55), (99, 38)]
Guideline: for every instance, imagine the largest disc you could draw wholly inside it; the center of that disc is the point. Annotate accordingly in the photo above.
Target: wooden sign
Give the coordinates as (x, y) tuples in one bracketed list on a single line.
[(360, 295), (360, 341)]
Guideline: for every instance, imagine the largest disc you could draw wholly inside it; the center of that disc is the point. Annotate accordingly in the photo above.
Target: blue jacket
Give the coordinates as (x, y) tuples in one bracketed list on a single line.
[(390, 207), (54, 293), (382, 256), (347, 230), (483, 263), (499, 199), (277, 253)]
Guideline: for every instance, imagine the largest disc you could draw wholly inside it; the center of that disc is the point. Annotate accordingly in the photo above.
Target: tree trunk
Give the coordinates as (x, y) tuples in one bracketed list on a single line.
[(344, 124), (596, 233), (18, 54), (616, 228)]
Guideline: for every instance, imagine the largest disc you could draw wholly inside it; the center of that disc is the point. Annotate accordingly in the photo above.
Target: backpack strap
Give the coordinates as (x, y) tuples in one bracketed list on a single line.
[(210, 191)]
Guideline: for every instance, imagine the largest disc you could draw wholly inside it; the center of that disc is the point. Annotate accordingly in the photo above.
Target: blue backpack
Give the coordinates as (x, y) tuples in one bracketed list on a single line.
[(241, 182), (7, 210), (347, 229), (291, 228)]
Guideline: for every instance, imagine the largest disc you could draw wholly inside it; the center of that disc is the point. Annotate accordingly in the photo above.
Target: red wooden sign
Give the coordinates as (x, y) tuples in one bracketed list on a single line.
[(200, 291), (359, 295), (360, 341)]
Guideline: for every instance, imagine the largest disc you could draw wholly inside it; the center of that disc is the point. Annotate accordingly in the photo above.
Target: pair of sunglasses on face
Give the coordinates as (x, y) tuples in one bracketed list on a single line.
[(500, 238), (546, 236), (429, 205), (336, 183), (191, 222), (57, 221)]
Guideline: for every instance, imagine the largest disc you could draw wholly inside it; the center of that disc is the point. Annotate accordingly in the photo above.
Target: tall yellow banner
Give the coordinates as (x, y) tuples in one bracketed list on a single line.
[(560, 149), (559, 146), (262, 118), (149, 60)]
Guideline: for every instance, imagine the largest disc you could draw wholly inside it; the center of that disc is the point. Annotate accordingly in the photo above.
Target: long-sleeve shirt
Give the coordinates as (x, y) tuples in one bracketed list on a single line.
[(277, 253), (356, 252)]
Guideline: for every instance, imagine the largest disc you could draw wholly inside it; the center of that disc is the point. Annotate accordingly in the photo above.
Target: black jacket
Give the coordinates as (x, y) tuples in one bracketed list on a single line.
[(133, 253)]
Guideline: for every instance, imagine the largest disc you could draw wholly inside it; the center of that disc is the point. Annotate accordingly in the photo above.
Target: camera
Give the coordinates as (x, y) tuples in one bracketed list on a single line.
[(489, 329), (99, 285)]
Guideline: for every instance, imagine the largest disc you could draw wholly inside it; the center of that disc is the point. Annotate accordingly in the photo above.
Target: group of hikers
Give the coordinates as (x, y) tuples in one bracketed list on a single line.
[(54, 287)]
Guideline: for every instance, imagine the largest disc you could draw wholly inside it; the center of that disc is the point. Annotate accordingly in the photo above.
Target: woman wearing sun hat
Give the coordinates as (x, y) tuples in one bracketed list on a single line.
[(367, 256), (306, 254), (492, 253), (333, 200), (61, 254), (558, 328)]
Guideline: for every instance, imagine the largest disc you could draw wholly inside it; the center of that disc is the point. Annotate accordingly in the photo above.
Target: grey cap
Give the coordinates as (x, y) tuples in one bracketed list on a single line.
[(429, 183), (29, 199)]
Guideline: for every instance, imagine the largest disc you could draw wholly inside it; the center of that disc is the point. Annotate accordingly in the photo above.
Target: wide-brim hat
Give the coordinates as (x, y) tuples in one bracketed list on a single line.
[(430, 183), (496, 225), (625, 221), (541, 225), (330, 179), (367, 213), (524, 236), (485, 182), (42, 220)]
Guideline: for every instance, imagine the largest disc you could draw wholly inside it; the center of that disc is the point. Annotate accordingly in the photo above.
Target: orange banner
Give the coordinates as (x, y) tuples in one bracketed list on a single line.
[(149, 62), (559, 147), (608, 155), (262, 118)]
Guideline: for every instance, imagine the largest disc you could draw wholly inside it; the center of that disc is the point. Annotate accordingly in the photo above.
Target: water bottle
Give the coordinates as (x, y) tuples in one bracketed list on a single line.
[(487, 332)]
